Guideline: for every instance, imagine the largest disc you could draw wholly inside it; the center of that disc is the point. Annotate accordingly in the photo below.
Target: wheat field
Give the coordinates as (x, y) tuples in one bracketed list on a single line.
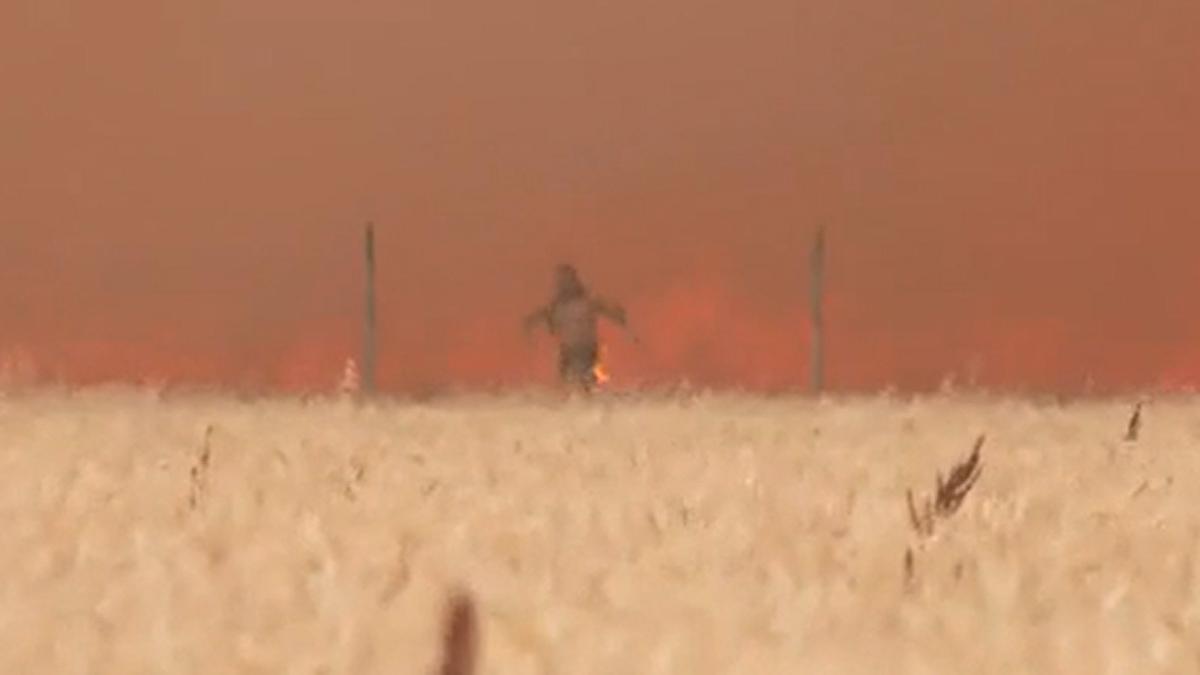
[(702, 533)]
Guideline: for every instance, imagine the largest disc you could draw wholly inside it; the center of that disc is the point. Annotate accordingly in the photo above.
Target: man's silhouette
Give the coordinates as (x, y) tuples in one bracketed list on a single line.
[(571, 317)]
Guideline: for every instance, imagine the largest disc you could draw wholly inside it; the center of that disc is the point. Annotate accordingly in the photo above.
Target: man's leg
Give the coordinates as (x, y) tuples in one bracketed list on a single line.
[(577, 366)]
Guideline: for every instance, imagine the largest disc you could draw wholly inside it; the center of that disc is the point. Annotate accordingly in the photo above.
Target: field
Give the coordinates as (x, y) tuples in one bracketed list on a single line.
[(709, 533)]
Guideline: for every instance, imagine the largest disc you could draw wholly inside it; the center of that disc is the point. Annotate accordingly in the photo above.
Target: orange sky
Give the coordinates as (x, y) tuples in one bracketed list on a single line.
[(1010, 187)]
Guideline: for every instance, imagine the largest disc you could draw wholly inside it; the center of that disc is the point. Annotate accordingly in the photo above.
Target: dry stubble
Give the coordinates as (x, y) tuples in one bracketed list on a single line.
[(713, 534)]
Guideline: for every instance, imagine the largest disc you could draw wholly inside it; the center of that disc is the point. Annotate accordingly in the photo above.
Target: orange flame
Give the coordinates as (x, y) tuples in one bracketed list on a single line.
[(599, 371)]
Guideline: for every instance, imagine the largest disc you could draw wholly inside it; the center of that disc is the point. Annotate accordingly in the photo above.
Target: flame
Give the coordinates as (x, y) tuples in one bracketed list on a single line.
[(351, 380), (599, 371)]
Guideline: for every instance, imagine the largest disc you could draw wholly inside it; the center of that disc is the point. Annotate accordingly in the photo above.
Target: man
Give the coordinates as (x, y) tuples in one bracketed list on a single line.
[(571, 317)]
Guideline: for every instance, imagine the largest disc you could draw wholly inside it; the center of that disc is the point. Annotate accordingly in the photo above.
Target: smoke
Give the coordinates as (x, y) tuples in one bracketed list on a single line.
[(1008, 193)]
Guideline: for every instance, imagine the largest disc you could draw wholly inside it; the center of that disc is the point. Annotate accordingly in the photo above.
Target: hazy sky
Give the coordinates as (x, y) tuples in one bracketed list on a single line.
[(1011, 189)]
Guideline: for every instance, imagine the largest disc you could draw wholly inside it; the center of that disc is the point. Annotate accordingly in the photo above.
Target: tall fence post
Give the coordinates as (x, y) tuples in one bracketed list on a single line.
[(816, 298), (368, 357)]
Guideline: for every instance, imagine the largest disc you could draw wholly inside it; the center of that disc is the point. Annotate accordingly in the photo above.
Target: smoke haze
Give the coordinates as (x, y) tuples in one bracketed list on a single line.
[(1009, 188)]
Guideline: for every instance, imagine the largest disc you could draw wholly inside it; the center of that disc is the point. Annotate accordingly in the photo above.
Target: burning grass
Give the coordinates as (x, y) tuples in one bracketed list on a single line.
[(699, 534)]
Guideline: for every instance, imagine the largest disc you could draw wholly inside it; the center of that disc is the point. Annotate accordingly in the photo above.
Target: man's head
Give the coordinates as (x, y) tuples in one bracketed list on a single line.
[(566, 281)]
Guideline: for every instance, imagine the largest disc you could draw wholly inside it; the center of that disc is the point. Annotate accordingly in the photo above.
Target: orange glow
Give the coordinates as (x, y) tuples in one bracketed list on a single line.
[(599, 371), (698, 330), (1008, 194)]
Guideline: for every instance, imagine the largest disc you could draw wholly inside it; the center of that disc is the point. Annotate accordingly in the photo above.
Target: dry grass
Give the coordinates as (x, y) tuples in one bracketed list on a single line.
[(714, 534)]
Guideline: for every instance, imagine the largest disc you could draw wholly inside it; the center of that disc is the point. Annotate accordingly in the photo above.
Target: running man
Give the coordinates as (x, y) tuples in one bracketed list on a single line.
[(571, 317)]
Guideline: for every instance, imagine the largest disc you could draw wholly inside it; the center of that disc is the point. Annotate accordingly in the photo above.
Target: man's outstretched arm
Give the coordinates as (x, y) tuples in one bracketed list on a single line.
[(538, 317), (615, 313), (611, 311)]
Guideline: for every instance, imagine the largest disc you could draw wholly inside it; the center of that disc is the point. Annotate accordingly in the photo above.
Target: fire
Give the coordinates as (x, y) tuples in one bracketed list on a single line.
[(350, 380), (599, 371)]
